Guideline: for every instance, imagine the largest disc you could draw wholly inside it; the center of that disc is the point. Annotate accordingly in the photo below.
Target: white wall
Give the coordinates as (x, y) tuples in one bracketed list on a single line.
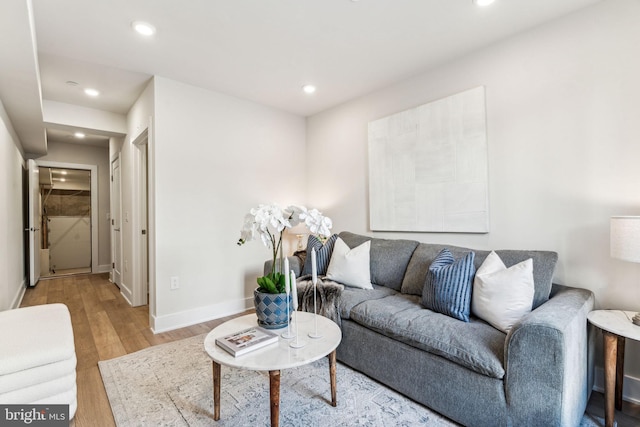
[(90, 155), (70, 241), (564, 147), (75, 117), (215, 157), (12, 276)]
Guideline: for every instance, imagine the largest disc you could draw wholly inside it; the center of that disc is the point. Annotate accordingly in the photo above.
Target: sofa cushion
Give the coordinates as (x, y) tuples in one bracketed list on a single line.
[(389, 258), (351, 297), (544, 263), (350, 266), (502, 296), (447, 288), (323, 254), (474, 345)]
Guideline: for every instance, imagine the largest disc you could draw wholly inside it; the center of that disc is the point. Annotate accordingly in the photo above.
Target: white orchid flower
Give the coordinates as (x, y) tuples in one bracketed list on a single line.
[(317, 223), (294, 214), (270, 221)]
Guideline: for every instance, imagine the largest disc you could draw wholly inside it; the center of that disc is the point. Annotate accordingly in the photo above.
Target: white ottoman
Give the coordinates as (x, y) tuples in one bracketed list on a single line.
[(38, 357)]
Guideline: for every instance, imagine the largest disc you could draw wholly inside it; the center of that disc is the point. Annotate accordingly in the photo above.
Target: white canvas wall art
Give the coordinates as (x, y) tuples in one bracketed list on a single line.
[(428, 167)]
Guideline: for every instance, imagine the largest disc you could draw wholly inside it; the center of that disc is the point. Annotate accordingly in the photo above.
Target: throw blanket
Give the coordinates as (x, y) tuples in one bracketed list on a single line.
[(327, 298)]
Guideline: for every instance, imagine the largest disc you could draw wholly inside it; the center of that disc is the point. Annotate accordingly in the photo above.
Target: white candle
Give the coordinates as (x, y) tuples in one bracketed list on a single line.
[(314, 267), (286, 275), (294, 290)]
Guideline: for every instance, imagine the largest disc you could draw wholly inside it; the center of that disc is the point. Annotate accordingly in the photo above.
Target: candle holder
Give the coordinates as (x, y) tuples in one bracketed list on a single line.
[(297, 343), (315, 334), (287, 335)]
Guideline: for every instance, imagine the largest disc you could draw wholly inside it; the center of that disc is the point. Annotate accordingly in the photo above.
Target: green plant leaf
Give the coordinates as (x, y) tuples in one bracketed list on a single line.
[(281, 283), (270, 286), (273, 283)]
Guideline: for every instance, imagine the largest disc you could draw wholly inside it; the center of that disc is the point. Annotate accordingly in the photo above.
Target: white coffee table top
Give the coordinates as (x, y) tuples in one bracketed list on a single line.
[(616, 321), (281, 355)]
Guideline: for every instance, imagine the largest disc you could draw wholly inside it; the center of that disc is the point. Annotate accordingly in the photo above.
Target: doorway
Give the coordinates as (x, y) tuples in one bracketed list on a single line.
[(35, 193), (66, 221)]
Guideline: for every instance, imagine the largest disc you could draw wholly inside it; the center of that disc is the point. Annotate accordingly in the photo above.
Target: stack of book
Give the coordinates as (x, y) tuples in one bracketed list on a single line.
[(247, 340)]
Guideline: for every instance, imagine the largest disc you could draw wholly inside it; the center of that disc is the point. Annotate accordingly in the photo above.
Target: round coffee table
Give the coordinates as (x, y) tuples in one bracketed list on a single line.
[(275, 357)]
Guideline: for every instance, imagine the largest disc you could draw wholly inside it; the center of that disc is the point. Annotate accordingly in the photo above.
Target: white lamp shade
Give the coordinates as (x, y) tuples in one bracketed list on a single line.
[(625, 238), (299, 229)]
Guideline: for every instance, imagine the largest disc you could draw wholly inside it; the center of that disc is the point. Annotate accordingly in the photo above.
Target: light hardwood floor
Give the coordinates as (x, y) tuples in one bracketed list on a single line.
[(105, 326)]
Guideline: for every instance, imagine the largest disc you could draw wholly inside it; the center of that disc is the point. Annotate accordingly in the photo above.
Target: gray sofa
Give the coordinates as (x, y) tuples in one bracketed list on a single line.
[(539, 374)]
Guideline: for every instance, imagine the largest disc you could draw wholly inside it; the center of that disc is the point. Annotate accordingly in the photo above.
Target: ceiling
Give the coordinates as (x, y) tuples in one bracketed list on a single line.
[(65, 179), (263, 51), (61, 135)]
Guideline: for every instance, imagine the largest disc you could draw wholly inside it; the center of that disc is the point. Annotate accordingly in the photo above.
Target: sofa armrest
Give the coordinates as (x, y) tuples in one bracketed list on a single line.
[(548, 363), (295, 264)]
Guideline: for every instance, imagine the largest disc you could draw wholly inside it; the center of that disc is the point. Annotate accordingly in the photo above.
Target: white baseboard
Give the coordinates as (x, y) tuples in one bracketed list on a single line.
[(201, 314), (105, 268), (17, 299), (630, 387)]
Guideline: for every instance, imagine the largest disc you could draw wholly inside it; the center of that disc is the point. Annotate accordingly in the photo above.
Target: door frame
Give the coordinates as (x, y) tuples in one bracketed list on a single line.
[(143, 291), (94, 202)]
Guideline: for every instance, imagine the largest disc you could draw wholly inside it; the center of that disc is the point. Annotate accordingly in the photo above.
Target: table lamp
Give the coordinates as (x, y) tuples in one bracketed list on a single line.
[(299, 231), (625, 242)]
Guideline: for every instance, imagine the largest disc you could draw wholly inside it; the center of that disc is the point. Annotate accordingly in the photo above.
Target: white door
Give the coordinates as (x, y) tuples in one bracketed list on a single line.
[(116, 236), (35, 221), (140, 221), (143, 297)]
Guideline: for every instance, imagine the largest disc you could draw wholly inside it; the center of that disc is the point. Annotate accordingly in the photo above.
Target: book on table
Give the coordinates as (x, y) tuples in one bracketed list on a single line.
[(246, 340)]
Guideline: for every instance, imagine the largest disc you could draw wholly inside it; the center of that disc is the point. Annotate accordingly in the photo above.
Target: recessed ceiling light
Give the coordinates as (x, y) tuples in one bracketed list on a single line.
[(483, 2), (62, 179), (91, 92), (79, 135), (63, 172), (309, 89), (143, 28)]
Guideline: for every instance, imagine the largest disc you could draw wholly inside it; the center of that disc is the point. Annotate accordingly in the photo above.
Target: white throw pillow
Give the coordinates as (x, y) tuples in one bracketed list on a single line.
[(350, 266), (502, 296)]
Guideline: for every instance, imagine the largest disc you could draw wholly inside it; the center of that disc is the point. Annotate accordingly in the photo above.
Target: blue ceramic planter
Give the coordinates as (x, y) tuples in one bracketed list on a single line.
[(271, 309)]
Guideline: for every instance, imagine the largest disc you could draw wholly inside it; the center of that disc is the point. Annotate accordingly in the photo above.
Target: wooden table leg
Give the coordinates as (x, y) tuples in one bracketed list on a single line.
[(216, 391), (610, 362), (332, 377), (274, 386), (619, 372)]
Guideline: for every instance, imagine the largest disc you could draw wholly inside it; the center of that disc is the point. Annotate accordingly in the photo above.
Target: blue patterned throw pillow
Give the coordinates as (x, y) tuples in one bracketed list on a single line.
[(448, 285), (323, 254)]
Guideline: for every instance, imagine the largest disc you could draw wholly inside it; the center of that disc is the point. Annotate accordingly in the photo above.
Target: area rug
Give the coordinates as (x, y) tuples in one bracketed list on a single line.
[(171, 385)]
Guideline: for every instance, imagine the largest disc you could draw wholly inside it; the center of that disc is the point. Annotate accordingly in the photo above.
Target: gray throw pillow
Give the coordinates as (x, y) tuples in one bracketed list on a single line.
[(323, 254)]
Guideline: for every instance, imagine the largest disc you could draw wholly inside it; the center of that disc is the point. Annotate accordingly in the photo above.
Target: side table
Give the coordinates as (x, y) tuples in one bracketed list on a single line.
[(616, 326)]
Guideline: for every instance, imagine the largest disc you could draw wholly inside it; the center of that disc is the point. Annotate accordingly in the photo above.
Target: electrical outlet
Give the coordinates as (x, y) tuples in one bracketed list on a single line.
[(175, 283)]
